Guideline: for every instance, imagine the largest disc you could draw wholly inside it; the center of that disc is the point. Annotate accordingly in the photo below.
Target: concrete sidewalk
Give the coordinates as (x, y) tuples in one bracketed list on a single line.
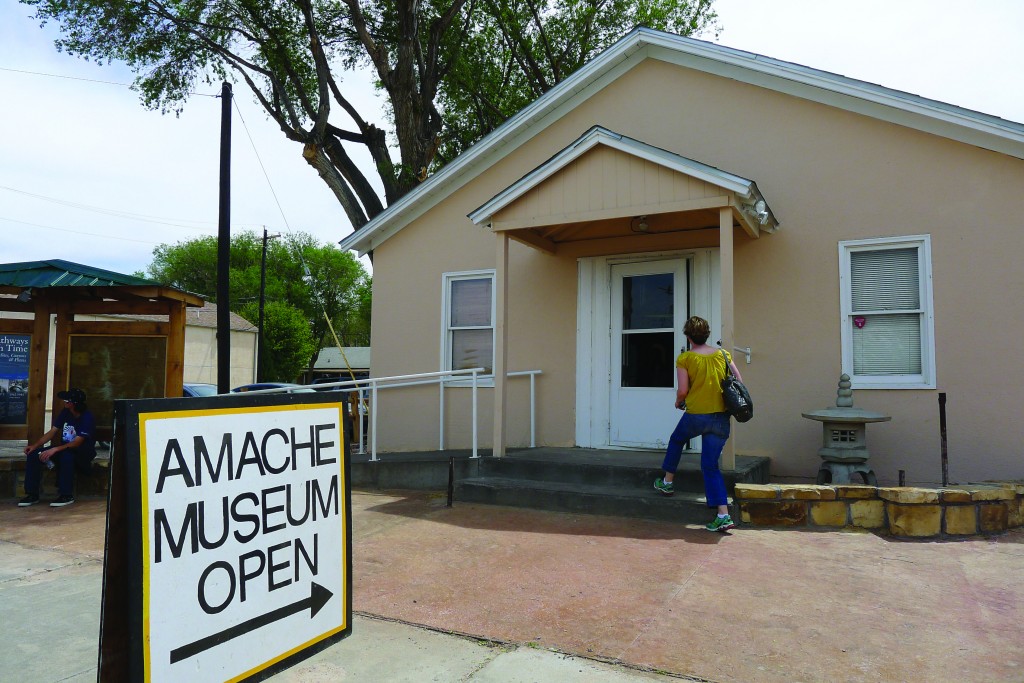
[(489, 594)]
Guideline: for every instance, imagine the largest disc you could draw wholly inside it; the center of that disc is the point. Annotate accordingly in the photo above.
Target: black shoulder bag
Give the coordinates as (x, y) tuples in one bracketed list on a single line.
[(737, 399)]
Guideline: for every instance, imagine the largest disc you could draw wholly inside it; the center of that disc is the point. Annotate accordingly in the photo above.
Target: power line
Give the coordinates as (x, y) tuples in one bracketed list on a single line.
[(176, 223), (171, 222), (77, 232), (262, 167), (86, 80)]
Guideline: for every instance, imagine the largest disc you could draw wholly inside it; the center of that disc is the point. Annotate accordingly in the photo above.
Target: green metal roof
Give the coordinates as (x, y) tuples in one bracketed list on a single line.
[(57, 273)]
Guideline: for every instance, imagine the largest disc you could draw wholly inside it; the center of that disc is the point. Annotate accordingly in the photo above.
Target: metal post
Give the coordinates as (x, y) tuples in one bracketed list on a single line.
[(533, 410), (451, 479), (475, 454), (942, 437), (224, 246), (440, 402), (373, 421), (263, 290)]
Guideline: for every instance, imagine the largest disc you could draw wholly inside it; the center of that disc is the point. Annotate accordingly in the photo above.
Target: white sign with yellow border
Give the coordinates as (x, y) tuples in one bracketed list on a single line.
[(244, 544)]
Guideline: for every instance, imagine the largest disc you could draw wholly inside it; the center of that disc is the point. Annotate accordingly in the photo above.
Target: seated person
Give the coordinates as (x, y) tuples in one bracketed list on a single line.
[(75, 451)]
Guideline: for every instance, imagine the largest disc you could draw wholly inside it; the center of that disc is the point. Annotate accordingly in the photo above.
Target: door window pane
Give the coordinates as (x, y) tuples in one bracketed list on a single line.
[(647, 302), (648, 360)]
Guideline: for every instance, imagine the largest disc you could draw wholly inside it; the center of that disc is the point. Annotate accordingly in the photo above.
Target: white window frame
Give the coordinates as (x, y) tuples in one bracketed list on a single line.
[(446, 338), (925, 380)]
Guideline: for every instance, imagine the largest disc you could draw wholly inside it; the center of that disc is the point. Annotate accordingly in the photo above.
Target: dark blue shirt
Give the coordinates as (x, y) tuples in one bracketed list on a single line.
[(69, 427)]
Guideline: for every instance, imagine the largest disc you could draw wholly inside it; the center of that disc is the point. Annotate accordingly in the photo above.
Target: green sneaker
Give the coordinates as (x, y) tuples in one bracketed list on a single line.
[(662, 486), (721, 524)]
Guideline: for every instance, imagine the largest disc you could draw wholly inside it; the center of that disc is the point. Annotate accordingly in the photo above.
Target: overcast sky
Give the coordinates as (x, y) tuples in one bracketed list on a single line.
[(88, 175)]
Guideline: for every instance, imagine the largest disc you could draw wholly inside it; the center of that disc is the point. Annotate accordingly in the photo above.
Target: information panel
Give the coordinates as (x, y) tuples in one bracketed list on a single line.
[(242, 519)]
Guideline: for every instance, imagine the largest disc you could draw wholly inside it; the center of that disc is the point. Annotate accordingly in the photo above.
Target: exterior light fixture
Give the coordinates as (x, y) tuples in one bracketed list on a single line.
[(758, 211)]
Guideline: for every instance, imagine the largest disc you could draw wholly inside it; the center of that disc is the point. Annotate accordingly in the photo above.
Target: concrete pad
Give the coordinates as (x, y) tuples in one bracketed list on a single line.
[(755, 604), (525, 665), (559, 591), (50, 612), (381, 650)]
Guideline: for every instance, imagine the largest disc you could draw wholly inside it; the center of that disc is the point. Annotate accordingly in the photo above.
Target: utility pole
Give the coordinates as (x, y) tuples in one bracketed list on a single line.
[(263, 288), (224, 246)]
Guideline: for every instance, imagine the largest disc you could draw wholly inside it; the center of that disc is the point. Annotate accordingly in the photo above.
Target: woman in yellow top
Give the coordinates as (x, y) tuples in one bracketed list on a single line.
[(699, 372)]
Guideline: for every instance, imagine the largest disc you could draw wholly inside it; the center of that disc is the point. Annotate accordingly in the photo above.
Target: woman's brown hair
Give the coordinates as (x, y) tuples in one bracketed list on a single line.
[(697, 329)]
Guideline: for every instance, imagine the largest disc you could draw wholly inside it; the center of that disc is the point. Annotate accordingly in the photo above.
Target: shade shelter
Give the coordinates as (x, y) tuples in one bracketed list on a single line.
[(109, 359)]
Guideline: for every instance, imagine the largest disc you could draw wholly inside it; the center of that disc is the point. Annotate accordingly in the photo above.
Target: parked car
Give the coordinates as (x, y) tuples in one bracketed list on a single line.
[(198, 389), (338, 378), (291, 388)]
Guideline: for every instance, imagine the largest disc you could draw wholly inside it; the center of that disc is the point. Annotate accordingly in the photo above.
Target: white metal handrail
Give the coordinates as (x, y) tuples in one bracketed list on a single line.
[(442, 378)]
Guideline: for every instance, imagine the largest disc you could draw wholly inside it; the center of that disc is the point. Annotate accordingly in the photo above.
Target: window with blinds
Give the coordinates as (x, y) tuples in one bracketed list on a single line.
[(887, 338), (469, 326)]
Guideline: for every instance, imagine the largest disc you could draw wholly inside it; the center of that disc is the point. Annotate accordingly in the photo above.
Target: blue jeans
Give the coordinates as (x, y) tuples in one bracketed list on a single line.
[(714, 430), (67, 461)]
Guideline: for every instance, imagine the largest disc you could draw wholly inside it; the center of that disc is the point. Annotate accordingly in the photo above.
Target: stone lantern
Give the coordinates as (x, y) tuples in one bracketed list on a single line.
[(844, 447)]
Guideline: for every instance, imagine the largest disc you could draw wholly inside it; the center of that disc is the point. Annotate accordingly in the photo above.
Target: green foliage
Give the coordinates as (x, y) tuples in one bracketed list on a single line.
[(517, 50), (336, 284), (288, 342), (451, 71)]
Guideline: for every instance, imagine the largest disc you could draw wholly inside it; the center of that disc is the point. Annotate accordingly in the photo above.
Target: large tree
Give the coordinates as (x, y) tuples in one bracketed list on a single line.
[(318, 282), (450, 70)]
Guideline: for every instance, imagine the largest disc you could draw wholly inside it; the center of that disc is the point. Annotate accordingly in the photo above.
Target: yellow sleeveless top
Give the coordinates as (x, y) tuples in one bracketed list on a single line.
[(706, 374)]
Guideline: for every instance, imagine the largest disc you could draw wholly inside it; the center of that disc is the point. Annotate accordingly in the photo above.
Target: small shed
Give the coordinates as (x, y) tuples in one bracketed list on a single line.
[(340, 361), (107, 358)]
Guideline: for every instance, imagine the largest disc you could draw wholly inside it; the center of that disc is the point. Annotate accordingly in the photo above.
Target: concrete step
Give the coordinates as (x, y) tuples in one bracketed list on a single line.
[(627, 472), (560, 496), (688, 477)]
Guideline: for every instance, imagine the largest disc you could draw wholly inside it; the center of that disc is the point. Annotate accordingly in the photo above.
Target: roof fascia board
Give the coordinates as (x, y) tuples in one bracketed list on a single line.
[(876, 101), (602, 136), (541, 113)]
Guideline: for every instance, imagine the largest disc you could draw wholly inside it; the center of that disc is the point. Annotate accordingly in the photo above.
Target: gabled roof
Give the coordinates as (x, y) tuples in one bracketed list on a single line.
[(334, 358), (745, 189), (58, 273), (205, 316), (886, 104), (76, 281)]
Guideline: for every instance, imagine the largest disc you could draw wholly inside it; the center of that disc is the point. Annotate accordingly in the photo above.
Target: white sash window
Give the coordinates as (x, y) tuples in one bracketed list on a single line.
[(887, 320), (469, 321)]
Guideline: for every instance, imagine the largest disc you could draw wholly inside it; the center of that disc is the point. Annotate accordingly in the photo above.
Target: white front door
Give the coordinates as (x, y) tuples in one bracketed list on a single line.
[(649, 304)]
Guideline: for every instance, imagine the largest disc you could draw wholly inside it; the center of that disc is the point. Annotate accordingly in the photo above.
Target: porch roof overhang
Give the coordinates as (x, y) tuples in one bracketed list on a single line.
[(601, 219), (85, 288)]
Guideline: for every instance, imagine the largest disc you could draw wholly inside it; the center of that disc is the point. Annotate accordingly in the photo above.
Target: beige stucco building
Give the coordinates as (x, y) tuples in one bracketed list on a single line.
[(826, 224)]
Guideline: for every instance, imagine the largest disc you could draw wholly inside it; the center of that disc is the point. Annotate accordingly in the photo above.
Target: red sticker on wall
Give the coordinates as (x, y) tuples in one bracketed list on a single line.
[(859, 321)]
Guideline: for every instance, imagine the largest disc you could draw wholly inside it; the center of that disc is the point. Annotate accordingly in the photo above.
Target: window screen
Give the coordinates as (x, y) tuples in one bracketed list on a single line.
[(888, 322), (885, 293), (470, 328)]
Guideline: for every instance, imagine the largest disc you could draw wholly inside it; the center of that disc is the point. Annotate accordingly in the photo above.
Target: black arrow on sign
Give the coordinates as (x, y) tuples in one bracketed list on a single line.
[(318, 597)]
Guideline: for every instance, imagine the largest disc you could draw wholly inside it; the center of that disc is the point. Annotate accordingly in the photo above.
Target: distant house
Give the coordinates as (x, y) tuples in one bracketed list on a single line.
[(335, 361), (201, 345), (825, 224)]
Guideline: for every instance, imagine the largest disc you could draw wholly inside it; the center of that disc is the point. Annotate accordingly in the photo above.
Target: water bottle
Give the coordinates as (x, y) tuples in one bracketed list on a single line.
[(50, 464)]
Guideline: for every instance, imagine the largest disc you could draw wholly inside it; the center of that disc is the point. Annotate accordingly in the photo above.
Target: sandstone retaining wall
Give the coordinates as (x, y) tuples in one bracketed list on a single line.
[(986, 508)]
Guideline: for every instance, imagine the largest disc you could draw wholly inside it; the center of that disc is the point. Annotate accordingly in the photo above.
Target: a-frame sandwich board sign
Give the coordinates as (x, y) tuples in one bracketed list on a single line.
[(228, 546)]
